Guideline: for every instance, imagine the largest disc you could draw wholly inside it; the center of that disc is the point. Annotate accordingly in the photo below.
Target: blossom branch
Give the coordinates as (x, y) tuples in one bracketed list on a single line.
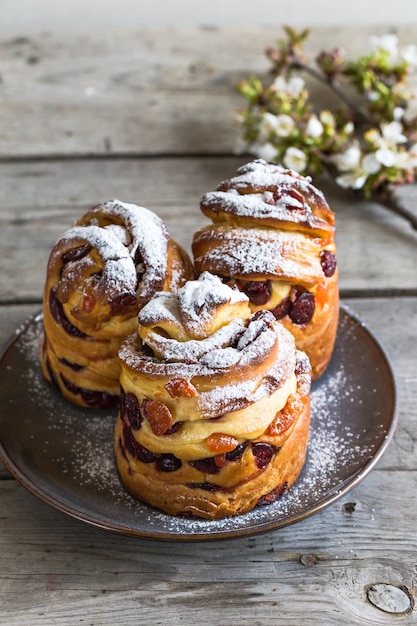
[(369, 147)]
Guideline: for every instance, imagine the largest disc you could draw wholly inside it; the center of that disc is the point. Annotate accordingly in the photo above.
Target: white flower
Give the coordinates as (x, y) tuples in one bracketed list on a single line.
[(409, 55), (295, 159), (351, 180), (392, 133), (314, 127), (282, 125), (407, 160), (293, 87), (410, 113), (349, 159), (264, 151), (373, 96), (370, 163), (398, 114), (385, 156), (326, 118)]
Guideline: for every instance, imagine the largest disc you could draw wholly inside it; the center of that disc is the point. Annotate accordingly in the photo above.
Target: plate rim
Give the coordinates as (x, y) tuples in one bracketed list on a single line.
[(334, 494)]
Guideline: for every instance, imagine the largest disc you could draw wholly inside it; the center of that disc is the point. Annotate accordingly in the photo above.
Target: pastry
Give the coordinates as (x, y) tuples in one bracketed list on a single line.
[(100, 273), (273, 237), (215, 406)]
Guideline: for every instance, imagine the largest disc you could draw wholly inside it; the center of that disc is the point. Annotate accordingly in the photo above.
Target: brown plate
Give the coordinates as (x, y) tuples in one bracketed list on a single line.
[(64, 454)]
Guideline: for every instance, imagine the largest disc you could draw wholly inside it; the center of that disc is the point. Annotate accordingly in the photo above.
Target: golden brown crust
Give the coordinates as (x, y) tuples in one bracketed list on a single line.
[(240, 484), (100, 273), (273, 237), (214, 411)]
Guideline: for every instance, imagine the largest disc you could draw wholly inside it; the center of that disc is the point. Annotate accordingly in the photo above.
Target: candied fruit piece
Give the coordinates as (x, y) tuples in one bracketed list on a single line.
[(158, 415), (219, 442), (181, 387)]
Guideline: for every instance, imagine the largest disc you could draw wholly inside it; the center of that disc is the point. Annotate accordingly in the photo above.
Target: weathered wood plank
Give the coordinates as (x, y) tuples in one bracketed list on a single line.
[(55, 570), (139, 92), (376, 250)]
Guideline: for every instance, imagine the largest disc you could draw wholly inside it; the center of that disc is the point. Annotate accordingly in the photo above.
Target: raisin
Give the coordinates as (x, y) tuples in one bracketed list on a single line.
[(129, 408), (207, 465), (168, 463), (57, 312), (136, 449), (75, 254), (206, 486), (263, 453), (257, 291), (93, 398), (302, 308), (237, 453), (282, 309), (176, 426), (73, 366), (328, 262)]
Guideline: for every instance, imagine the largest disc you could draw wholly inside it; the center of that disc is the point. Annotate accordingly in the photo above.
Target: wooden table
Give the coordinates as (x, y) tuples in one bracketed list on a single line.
[(148, 117)]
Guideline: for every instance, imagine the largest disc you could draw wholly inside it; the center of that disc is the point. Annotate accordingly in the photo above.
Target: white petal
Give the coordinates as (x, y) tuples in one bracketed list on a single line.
[(370, 163), (314, 127), (295, 159), (351, 181), (386, 157)]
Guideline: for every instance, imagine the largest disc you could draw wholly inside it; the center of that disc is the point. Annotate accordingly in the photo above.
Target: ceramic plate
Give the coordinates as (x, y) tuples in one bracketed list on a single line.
[(64, 454)]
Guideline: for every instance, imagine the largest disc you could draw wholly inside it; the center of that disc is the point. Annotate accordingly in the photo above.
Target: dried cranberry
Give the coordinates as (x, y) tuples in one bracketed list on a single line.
[(121, 301), (328, 262), (136, 449), (207, 465), (129, 408), (97, 399), (57, 312), (75, 254), (263, 453), (73, 366), (258, 291), (168, 463), (282, 309), (302, 308)]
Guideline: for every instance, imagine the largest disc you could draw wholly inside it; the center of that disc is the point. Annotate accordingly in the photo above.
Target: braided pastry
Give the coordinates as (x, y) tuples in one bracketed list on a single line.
[(273, 236), (100, 273), (215, 409)]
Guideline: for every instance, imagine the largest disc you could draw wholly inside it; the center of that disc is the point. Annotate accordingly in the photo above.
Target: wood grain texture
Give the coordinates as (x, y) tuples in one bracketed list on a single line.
[(376, 250), (139, 92)]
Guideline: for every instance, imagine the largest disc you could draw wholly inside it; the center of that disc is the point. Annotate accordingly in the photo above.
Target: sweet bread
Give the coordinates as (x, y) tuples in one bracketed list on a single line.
[(215, 406), (99, 275), (273, 236)]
